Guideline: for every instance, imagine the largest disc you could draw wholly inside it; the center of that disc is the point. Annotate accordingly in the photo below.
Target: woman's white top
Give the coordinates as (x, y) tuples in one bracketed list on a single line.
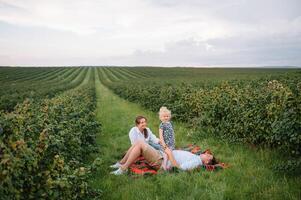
[(186, 160), (135, 135)]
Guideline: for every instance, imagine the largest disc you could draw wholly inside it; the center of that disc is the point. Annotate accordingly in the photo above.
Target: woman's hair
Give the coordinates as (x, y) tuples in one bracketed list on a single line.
[(164, 109), (137, 121), (213, 161)]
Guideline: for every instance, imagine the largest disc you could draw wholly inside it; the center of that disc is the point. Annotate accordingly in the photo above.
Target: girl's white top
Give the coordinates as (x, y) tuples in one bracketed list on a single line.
[(135, 135)]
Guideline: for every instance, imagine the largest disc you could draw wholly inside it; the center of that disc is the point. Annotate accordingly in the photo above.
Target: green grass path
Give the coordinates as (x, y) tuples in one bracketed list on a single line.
[(248, 178)]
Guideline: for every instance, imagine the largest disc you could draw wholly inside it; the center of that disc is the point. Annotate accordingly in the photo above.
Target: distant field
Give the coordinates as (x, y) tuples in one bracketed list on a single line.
[(205, 74)]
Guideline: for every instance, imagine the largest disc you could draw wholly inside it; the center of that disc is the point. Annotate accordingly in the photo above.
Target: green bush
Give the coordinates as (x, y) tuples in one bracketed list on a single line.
[(262, 112), (43, 145)]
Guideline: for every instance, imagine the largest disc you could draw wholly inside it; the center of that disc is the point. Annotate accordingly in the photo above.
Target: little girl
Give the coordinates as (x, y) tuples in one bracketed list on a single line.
[(166, 132)]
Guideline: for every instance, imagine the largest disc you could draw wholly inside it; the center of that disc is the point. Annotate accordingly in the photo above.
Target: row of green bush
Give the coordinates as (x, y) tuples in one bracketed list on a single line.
[(43, 146), (13, 92), (261, 112)]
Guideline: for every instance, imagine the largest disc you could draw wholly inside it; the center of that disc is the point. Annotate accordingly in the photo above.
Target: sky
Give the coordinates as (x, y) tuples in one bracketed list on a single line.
[(195, 33)]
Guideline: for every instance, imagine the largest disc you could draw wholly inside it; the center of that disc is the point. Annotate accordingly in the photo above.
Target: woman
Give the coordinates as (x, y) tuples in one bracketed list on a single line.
[(140, 133), (169, 158)]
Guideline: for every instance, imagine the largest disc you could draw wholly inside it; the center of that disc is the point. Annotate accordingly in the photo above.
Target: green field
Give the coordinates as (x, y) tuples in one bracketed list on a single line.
[(61, 129)]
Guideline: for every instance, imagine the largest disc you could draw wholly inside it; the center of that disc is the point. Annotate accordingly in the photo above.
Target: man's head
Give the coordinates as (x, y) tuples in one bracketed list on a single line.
[(208, 158)]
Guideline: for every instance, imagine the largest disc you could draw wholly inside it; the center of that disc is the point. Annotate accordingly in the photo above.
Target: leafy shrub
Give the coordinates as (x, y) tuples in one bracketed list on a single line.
[(43, 145), (262, 112)]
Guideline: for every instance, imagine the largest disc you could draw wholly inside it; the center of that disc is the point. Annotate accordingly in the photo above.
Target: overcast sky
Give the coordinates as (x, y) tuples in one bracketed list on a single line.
[(150, 32)]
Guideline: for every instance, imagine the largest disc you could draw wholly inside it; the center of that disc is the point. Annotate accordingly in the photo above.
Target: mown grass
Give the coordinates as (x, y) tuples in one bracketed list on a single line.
[(249, 177)]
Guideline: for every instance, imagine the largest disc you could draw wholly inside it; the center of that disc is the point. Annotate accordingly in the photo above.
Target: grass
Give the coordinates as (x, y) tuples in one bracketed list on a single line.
[(249, 177)]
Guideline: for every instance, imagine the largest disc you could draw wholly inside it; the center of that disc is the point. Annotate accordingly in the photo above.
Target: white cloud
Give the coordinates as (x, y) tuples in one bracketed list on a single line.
[(120, 31)]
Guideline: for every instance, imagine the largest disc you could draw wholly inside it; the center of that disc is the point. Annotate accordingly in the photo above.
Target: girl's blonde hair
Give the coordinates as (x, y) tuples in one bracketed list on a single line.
[(163, 109)]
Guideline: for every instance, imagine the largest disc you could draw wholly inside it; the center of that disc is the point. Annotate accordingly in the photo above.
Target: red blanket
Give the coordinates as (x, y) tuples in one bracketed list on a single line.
[(142, 167)]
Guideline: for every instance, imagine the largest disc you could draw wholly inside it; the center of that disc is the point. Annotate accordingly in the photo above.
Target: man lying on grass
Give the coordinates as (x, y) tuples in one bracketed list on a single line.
[(181, 159)]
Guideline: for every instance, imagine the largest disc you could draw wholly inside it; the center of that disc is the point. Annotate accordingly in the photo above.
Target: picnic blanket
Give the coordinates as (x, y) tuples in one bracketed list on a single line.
[(142, 167)]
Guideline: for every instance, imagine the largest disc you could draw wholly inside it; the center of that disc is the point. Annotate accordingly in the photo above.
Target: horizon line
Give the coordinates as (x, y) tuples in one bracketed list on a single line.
[(158, 66)]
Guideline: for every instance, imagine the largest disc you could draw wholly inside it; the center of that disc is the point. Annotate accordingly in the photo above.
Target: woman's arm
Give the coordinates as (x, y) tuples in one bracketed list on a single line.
[(133, 136), (152, 137)]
